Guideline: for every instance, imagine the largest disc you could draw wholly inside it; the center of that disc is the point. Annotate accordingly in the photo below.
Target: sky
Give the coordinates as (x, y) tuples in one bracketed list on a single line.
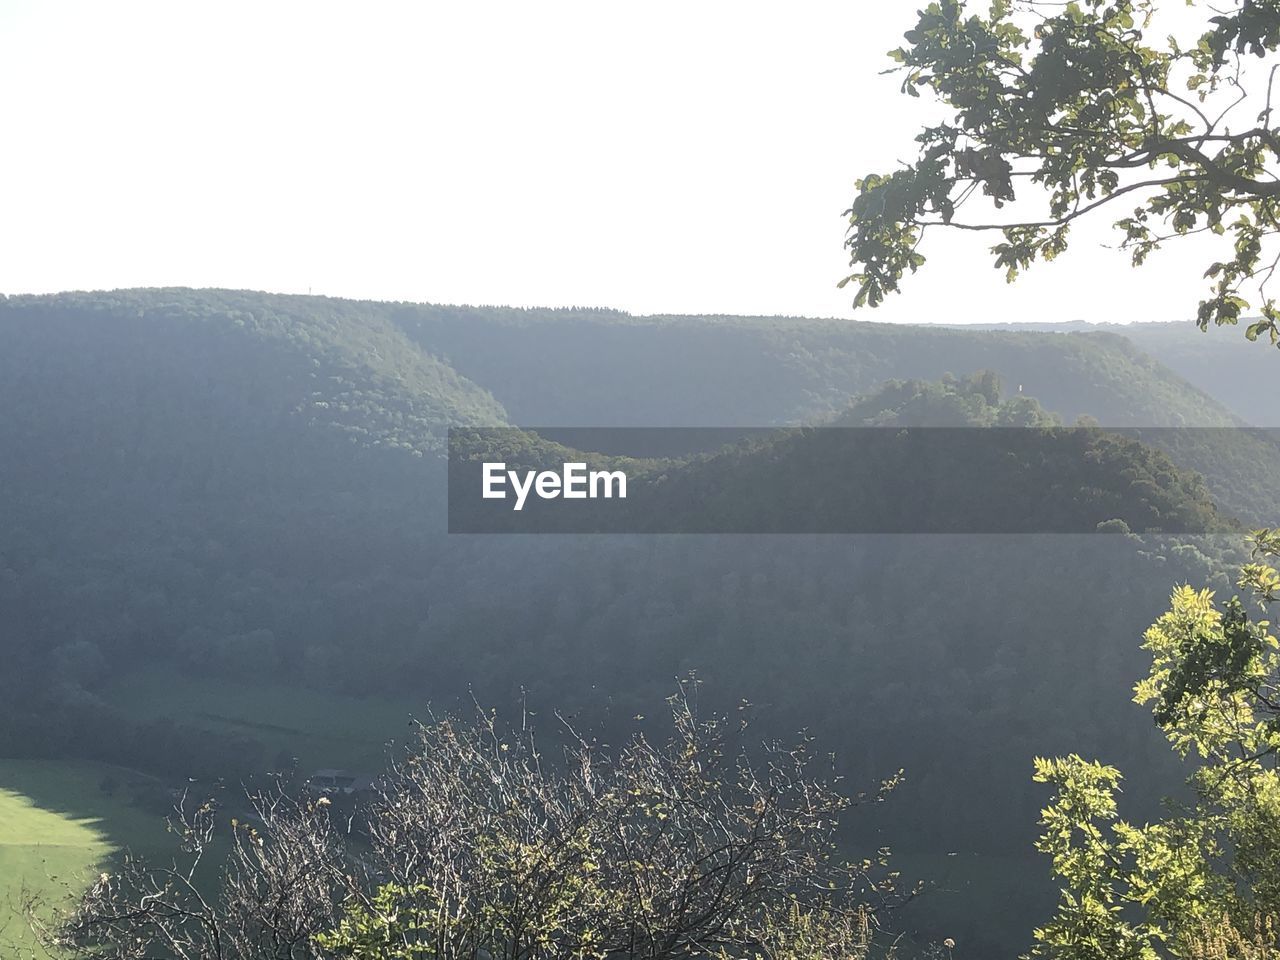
[(656, 157)]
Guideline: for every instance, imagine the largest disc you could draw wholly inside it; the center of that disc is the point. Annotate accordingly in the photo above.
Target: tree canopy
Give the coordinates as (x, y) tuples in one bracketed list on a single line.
[(1079, 106), (1204, 878)]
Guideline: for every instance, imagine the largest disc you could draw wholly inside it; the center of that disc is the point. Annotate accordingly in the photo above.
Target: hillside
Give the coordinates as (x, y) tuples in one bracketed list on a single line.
[(224, 479), (353, 365), (1239, 374), (605, 368), (216, 488), (339, 364), (1242, 375), (593, 367), (1018, 473), (964, 460)]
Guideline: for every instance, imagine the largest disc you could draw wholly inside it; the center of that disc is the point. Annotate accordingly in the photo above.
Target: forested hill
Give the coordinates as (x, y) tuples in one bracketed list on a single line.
[(597, 367), (1026, 472), (229, 486), (95, 359), (1240, 374), (214, 478), (391, 373), (393, 376), (600, 367)]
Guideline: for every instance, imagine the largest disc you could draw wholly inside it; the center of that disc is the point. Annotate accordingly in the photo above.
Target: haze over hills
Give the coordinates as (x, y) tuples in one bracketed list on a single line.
[(395, 375), (254, 390), (600, 367), (246, 490), (477, 364), (1025, 473), (1240, 374)]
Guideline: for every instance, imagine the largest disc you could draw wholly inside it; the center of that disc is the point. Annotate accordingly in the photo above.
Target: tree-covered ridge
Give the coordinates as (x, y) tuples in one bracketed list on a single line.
[(604, 368), (970, 460), (221, 480), (586, 366), (336, 363), (173, 502), (1237, 463), (976, 400), (1240, 377)]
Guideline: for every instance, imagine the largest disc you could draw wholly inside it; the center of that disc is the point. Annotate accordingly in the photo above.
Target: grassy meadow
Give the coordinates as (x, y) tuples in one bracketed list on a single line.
[(320, 729), (58, 829)]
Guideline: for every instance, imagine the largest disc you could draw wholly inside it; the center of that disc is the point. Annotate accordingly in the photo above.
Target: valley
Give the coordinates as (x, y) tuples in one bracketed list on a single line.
[(225, 554)]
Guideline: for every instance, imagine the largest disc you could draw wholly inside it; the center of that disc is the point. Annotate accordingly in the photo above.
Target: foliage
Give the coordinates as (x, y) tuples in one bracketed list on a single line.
[(476, 845), (1221, 939), (406, 924), (1182, 884), (1089, 104), (550, 367), (792, 932), (249, 564), (941, 476)]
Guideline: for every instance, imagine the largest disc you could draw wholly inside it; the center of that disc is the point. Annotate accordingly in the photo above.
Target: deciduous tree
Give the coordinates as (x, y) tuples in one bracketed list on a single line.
[(1056, 111)]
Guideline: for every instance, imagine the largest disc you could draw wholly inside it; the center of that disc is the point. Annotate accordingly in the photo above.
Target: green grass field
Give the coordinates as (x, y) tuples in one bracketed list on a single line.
[(58, 829), (320, 729)]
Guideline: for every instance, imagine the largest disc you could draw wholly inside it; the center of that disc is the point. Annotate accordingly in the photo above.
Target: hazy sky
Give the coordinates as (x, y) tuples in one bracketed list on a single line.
[(655, 157)]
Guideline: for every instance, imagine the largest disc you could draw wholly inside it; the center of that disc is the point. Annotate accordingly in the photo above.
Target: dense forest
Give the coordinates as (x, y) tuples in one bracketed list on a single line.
[(1226, 368), (944, 640), (238, 488)]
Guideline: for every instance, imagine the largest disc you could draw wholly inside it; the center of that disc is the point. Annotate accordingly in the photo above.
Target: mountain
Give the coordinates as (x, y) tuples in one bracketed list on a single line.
[(223, 479), (599, 367), (339, 364), (213, 476), (1021, 473), (219, 487), (596, 367), (911, 457), (349, 364), (1243, 376)]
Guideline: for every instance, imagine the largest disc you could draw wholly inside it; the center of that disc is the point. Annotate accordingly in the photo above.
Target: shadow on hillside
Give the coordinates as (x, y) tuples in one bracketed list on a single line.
[(63, 822)]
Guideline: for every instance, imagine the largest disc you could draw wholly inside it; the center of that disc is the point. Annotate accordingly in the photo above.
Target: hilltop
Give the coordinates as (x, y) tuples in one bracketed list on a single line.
[(600, 367)]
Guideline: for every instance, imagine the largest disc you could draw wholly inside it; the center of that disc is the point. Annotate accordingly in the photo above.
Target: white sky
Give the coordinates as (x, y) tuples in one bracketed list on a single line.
[(655, 157)]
